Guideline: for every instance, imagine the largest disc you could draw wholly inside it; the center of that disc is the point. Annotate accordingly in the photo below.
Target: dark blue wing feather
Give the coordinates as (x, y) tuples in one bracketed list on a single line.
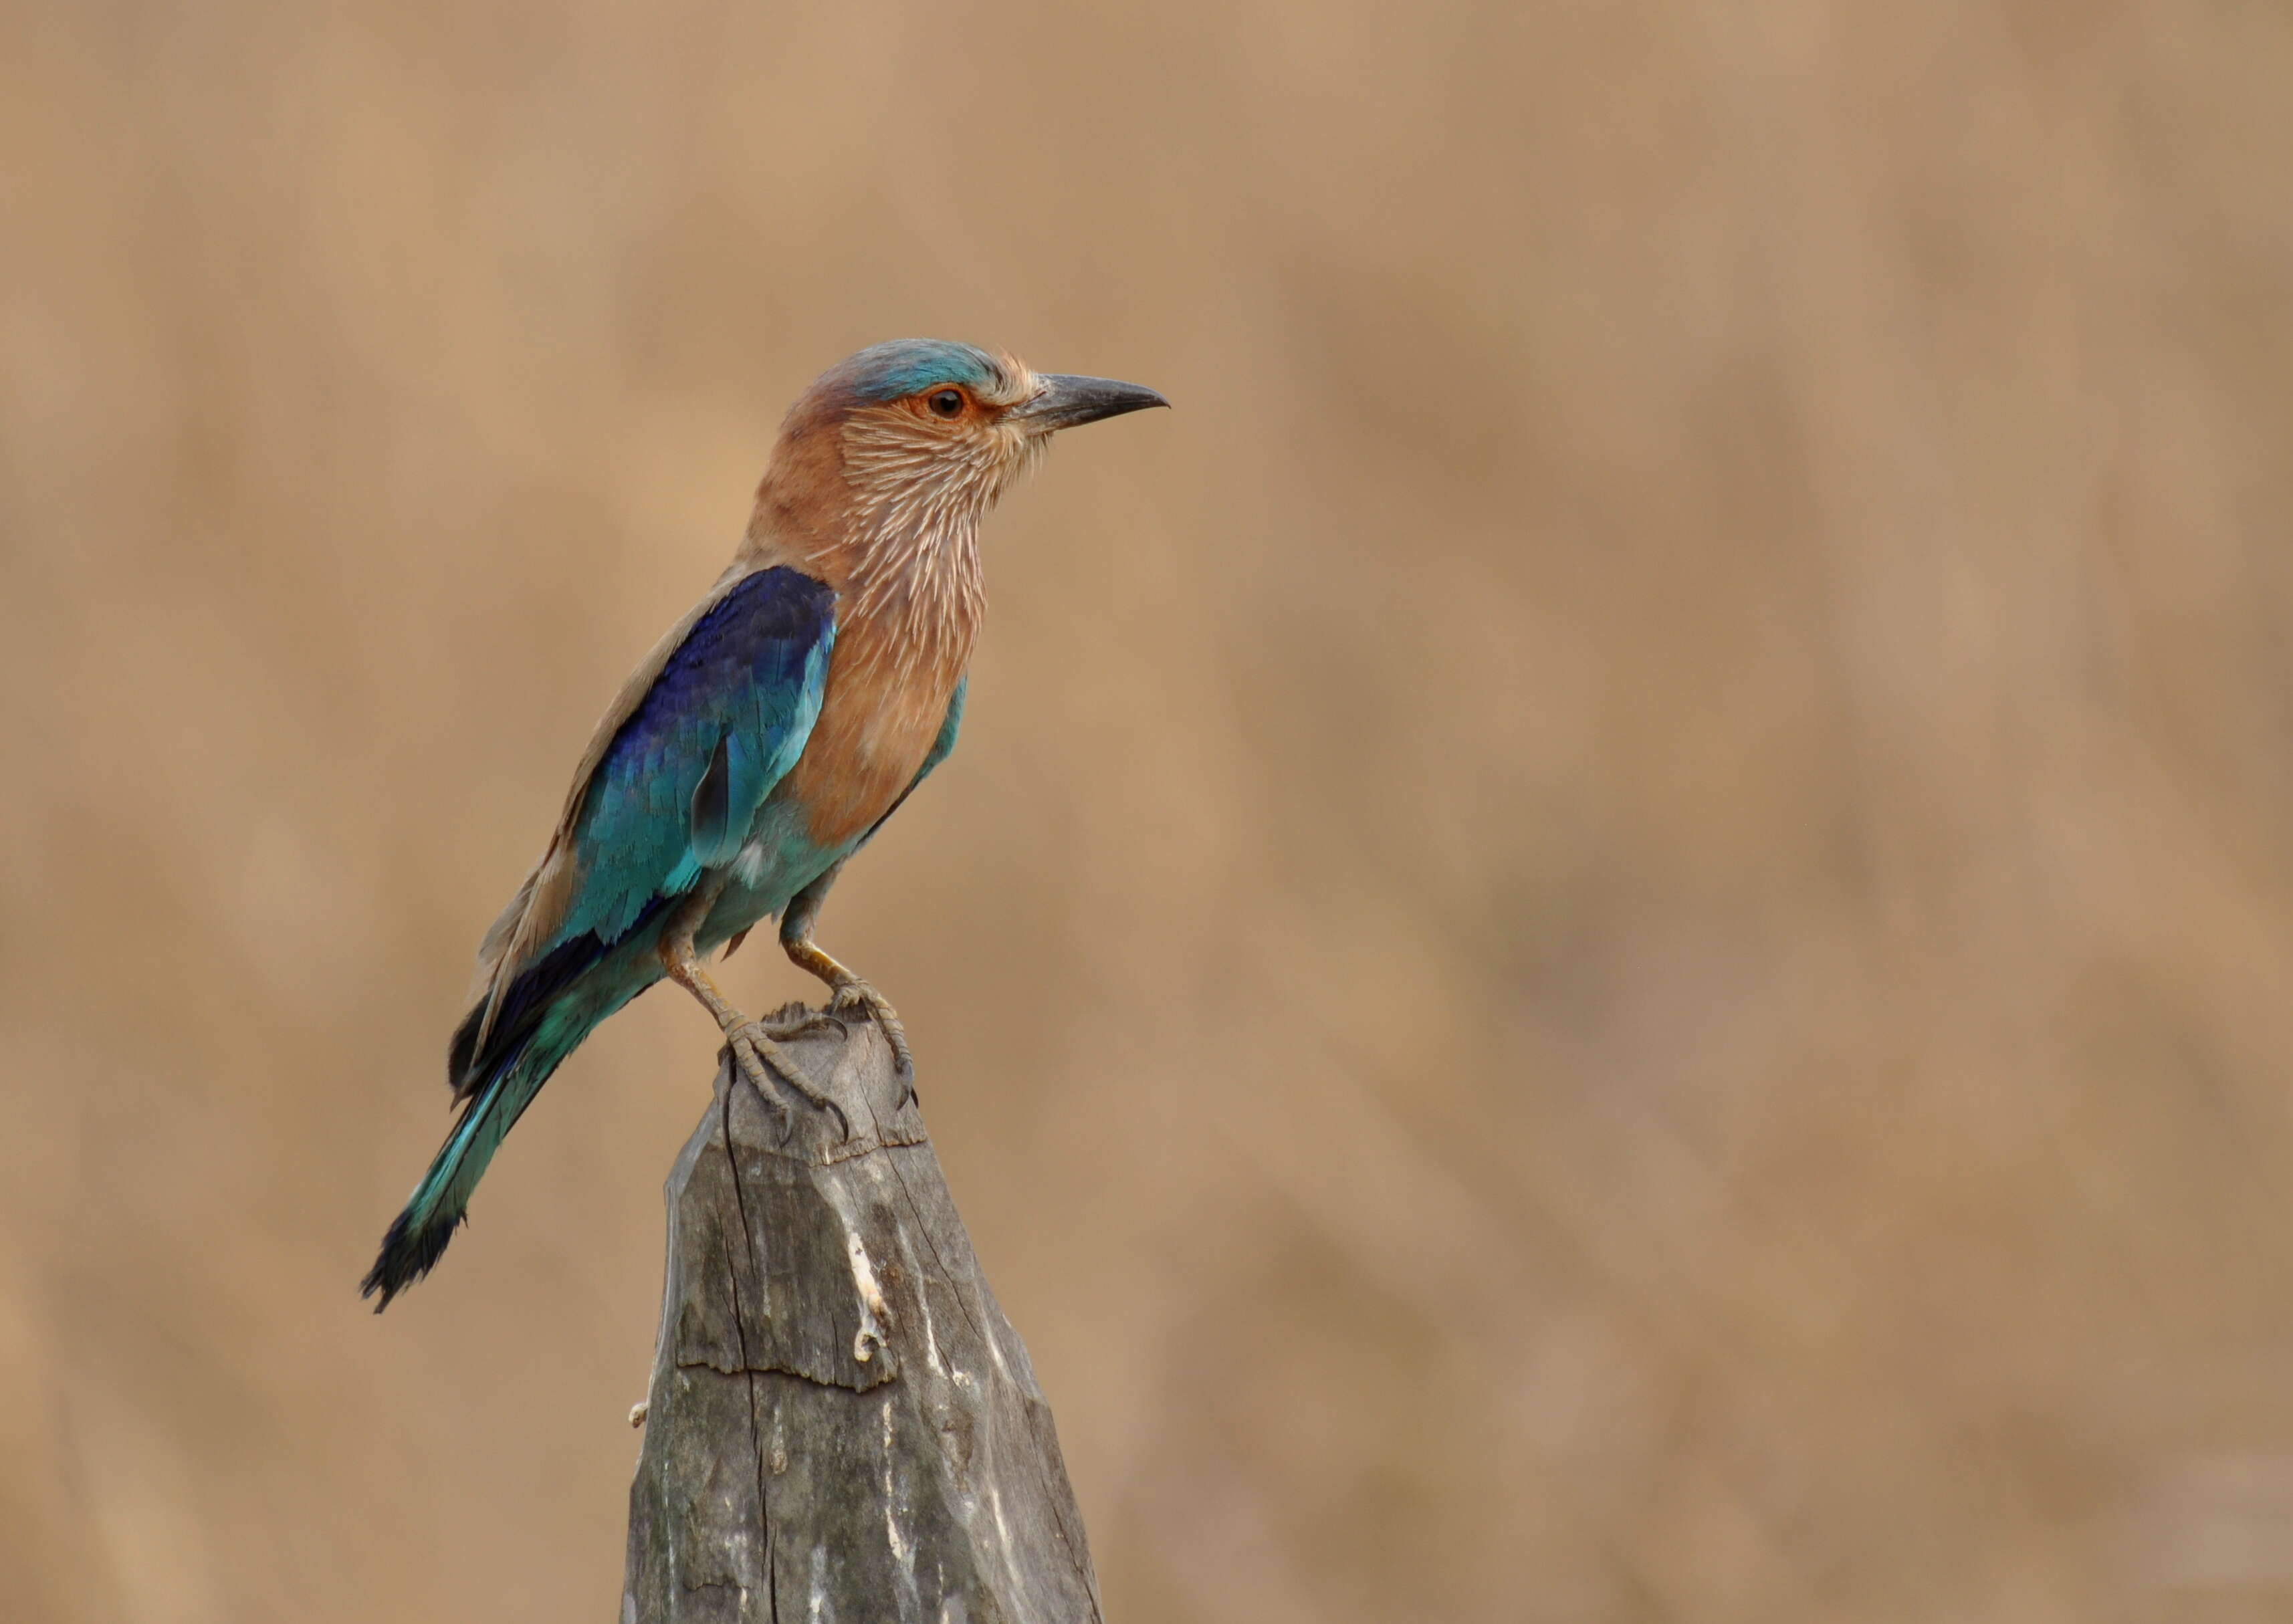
[(679, 786)]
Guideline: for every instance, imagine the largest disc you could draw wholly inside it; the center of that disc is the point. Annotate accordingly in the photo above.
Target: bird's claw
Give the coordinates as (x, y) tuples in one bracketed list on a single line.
[(858, 995), (769, 1070)]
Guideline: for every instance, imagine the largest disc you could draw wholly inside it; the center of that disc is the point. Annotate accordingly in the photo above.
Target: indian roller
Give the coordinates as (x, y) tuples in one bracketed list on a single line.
[(763, 740)]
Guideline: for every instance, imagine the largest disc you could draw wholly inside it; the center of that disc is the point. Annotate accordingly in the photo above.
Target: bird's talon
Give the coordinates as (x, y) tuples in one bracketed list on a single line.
[(767, 1084), (774, 1076), (858, 995), (902, 1061)]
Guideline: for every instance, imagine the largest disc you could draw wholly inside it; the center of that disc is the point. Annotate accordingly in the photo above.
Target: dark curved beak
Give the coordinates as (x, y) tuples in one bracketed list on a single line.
[(1063, 400)]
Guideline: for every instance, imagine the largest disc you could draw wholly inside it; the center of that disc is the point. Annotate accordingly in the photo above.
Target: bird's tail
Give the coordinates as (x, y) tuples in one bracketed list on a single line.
[(418, 1238), (503, 1053)]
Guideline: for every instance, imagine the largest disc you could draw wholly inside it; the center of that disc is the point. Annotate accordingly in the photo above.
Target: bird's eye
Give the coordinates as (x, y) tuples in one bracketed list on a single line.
[(946, 402)]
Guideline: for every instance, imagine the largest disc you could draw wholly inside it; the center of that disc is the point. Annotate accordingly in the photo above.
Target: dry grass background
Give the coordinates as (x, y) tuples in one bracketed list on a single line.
[(1613, 937)]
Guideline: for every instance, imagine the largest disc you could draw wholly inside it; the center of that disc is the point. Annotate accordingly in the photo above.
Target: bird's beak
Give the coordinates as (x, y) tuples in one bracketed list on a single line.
[(1063, 401)]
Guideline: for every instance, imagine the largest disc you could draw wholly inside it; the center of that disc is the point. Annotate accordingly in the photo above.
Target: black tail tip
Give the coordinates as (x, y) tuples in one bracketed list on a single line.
[(407, 1254)]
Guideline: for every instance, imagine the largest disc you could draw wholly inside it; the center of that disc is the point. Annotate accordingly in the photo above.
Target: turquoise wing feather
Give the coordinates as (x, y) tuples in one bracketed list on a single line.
[(678, 789)]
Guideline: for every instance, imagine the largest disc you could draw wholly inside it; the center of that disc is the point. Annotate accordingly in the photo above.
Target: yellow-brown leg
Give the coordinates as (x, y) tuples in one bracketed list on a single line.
[(846, 991), (754, 1045)]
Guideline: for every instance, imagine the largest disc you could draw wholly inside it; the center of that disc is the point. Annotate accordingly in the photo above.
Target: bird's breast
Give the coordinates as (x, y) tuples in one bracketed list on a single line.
[(886, 695)]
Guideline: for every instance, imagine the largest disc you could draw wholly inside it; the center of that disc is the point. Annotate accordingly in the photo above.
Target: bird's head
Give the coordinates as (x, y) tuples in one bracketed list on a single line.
[(925, 434)]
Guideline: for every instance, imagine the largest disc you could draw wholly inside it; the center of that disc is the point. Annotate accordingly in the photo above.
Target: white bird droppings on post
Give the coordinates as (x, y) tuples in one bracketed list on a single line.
[(1002, 1528), (873, 1310), (931, 1341), (901, 1552)]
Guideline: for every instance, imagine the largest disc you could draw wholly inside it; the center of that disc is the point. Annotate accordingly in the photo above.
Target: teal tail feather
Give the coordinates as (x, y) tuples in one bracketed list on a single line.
[(418, 1238), (542, 1018)]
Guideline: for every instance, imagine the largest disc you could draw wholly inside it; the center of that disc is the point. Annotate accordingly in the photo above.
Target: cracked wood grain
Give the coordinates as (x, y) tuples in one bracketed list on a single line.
[(842, 1426)]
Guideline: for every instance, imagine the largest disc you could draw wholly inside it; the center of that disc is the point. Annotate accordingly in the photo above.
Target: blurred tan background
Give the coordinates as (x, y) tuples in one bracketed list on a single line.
[(1613, 937)]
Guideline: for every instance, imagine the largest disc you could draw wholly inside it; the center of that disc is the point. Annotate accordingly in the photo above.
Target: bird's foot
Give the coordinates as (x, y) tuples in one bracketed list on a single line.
[(770, 1071), (854, 994)]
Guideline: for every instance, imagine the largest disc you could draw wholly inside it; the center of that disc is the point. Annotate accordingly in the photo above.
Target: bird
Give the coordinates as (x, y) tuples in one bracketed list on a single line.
[(763, 741)]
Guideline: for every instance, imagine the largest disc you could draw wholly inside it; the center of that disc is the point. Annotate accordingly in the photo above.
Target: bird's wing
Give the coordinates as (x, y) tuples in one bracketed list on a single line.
[(712, 719)]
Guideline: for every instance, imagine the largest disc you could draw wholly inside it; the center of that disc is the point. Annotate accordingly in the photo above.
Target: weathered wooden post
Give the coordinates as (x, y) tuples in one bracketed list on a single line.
[(842, 1426)]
